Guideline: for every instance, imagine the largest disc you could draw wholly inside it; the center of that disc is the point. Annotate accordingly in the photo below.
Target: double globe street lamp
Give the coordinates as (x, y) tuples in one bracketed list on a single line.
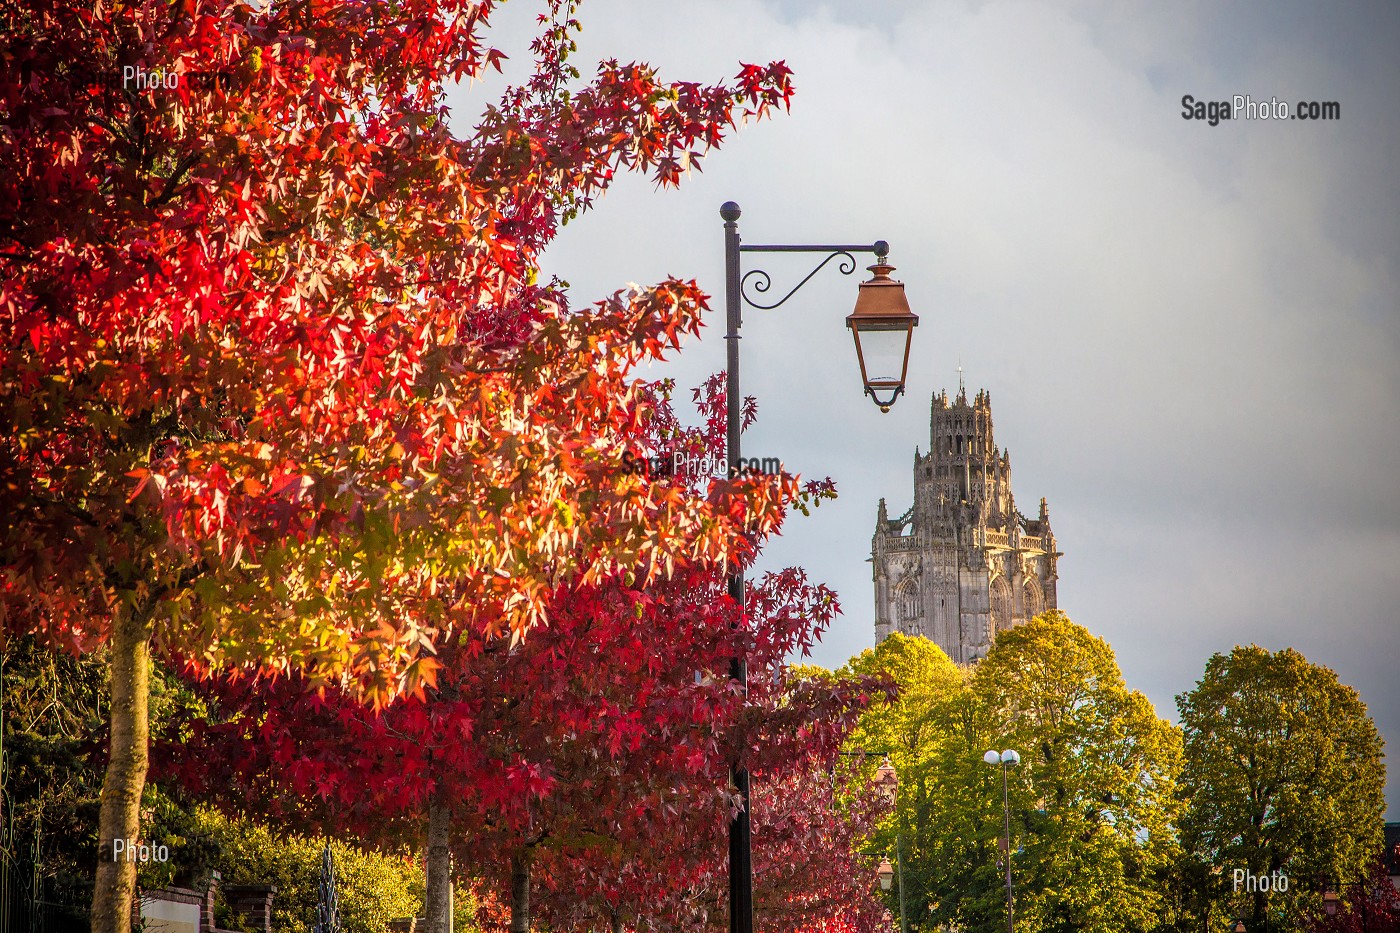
[(883, 328), (994, 758)]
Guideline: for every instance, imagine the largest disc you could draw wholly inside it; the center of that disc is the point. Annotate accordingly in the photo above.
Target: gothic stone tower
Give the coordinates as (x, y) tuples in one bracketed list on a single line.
[(962, 564)]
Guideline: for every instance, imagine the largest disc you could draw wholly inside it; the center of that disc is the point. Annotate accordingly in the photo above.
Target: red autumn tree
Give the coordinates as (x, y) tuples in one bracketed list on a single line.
[(810, 871), (599, 740), (278, 385), (1372, 905)]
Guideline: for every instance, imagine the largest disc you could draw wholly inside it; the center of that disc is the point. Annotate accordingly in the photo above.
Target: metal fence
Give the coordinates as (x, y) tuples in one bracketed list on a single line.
[(27, 906), (328, 902), (18, 880)]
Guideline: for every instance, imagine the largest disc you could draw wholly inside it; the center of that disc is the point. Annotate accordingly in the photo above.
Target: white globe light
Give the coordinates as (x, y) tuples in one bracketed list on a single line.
[(1011, 757), (992, 758)]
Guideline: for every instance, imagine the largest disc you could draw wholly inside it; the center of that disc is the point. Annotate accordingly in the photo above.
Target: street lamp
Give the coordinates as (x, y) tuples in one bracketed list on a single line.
[(881, 312), (885, 873), (883, 328), (881, 325), (1008, 757), (1238, 927), (886, 784), (1332, 902), (886, 781)]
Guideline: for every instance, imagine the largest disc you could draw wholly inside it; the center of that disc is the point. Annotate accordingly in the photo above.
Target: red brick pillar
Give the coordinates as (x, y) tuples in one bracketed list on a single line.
[(206, 912), (253, 902)]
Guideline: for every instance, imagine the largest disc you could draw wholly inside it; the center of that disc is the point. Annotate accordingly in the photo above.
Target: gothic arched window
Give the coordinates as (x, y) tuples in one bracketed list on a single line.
[(1001, 605), (908, 602), (1033, 601)]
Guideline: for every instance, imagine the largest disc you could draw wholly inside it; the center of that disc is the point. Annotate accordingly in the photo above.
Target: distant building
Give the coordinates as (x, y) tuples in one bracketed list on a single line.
[(962, 564)]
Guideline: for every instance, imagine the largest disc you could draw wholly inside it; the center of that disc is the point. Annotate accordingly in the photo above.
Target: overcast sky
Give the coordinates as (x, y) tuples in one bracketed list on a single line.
[(1190, 333)]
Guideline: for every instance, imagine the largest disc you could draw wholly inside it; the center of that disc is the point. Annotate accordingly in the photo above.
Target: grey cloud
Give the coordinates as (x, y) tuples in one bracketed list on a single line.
[(1190, 333)]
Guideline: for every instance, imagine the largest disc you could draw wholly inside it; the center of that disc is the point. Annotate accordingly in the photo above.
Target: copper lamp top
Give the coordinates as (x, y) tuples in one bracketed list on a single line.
[(881, 303)]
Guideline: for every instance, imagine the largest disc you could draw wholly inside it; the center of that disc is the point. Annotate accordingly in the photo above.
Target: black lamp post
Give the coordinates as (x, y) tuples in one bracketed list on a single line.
[(880, 319)]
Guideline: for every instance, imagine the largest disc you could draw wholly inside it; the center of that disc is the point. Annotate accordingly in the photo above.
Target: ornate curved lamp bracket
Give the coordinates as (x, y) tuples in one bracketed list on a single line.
[(763, 281)]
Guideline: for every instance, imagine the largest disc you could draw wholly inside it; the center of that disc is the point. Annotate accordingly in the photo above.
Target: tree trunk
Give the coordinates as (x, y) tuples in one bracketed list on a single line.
[(520, 893), (120, 816), (439, 894), (616, 917)]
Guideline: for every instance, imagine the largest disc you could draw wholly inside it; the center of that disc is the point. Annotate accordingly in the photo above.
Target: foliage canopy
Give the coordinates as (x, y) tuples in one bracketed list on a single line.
[(1283, 773)]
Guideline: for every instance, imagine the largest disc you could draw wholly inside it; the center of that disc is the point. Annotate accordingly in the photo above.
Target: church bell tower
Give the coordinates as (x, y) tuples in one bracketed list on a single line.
[(962, 563)]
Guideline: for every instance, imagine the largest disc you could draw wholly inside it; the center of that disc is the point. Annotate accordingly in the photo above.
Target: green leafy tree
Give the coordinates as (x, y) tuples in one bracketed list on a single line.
[(1092, 802), (1283, 774), (927, 679), (53, 741), (913, 730), (51, 706), (53, 736)]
